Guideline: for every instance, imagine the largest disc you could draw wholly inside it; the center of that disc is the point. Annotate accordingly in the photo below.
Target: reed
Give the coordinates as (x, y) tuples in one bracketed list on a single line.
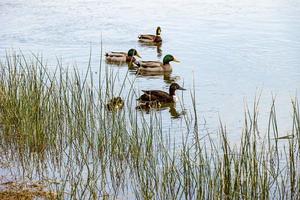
[(55, 127)]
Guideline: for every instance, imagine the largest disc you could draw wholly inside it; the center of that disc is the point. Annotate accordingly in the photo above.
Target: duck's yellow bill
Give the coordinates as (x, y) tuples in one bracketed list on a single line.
[(138, 55), (175, 60)]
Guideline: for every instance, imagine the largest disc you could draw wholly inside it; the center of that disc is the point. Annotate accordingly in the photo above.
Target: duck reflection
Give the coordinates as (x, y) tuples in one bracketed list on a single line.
[(174, 113), (132, 68), (153, 45), (158, 106), (159, 51), (165, 75)]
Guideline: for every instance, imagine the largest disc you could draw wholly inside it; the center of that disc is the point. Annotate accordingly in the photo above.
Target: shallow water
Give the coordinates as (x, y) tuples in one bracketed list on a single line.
[(230, 51)]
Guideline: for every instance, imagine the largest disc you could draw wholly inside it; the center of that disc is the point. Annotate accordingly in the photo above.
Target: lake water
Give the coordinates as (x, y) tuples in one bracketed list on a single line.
[(231, 50)]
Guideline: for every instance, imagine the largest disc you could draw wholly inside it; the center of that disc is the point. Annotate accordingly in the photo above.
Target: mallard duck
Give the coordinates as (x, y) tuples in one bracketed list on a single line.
[(148, 38), (156, 66), (116, 103), (161, 96), (121, 57)]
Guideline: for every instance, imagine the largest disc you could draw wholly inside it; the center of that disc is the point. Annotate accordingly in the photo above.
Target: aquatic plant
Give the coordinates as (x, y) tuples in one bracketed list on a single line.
[(54, 125)]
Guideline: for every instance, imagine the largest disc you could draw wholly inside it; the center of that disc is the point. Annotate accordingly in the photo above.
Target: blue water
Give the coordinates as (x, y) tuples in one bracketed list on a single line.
[(231, 51)]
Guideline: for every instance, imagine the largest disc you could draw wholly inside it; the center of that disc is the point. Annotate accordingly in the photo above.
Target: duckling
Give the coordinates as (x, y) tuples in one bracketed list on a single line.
[(116, 103), (154, 39), (156, 66), (122, 57), (161, 96)]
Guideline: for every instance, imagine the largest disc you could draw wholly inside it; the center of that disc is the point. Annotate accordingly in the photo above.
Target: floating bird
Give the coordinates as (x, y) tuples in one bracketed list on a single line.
[(154, 39), (161, 96), (116, 103), (156, 66), (121, 57)]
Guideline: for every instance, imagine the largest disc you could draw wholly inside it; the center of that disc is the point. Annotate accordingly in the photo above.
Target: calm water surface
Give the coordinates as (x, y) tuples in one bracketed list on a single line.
[(231, 50)]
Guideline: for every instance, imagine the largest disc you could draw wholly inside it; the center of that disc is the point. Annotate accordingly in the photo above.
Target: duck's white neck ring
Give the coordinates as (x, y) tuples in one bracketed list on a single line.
[(175, 99)]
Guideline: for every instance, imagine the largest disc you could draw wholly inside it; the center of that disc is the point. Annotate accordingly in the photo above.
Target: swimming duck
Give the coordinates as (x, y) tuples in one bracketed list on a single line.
[(116, 103), (122, 57), (161, 96), (156, 66), (148, 38)]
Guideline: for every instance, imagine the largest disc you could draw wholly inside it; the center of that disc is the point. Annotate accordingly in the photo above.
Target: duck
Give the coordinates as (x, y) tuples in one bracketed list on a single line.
[(116, 103), (161, 96), (148, 38), (122, 57), (156, 66)]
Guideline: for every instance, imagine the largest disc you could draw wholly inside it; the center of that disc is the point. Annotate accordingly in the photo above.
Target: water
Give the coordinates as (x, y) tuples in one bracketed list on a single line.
[(231, 50)]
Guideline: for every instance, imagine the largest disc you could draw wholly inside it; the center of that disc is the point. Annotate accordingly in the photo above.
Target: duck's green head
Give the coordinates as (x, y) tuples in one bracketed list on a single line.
[(168, 58), (158, 30), (133, 52)]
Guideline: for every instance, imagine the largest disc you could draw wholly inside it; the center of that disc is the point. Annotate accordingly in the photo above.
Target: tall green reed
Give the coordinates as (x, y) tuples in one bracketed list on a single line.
[(54, 124)]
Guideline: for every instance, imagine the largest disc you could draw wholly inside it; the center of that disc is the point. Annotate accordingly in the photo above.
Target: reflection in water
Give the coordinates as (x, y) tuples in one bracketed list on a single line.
[(132, 68), (153, 45), (166, 76), (174, 113), (157, 106), (159, 51)]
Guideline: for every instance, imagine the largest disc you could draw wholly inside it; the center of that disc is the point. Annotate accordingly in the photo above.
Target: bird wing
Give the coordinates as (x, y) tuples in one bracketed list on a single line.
[(146, 36), (115, 54), (157, 93), (150, 64)]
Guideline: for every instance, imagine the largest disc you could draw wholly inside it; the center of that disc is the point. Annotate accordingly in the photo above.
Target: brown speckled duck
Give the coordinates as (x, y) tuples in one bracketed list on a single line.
[(122, 57), (161, 96), (152, 39), (156, 66)]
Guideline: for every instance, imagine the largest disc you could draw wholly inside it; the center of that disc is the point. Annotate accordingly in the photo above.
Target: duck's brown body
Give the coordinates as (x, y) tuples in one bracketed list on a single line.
[(156, 95), (147, 38), (161, 96), (156, 66), (151, 39), (121, 57)]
